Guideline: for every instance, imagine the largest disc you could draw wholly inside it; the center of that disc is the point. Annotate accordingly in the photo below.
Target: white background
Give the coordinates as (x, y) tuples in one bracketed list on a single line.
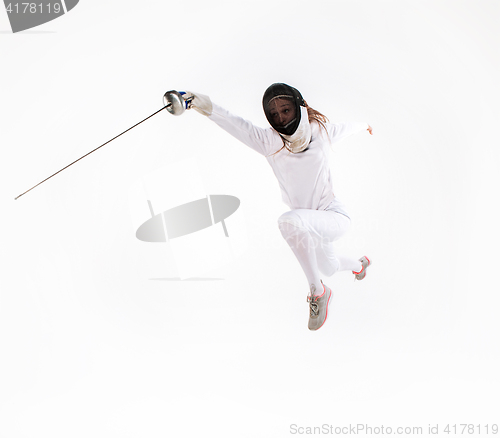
[(93, 344)]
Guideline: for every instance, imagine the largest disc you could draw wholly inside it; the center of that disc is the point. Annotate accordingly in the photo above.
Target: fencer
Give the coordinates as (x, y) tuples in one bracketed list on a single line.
[(297, 146)]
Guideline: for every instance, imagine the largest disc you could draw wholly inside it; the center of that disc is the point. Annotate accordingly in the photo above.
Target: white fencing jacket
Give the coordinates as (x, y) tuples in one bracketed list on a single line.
[(304, 178)]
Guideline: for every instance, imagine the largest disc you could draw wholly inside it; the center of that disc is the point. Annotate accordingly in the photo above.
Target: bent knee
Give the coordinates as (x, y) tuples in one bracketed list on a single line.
[(290, 218)]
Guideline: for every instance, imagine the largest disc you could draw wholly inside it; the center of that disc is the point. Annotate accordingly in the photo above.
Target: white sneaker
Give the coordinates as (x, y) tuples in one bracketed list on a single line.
[(365, 262), (318, 307)]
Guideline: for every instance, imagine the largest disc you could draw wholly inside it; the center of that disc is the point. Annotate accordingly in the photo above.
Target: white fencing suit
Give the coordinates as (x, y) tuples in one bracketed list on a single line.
[(316, 218)]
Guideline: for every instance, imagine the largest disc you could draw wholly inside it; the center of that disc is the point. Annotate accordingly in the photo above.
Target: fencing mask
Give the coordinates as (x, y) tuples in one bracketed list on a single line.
[(286, 112)]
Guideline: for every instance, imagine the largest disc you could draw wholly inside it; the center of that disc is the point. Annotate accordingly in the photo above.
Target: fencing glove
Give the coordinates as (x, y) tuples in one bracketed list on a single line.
[(199, 102)]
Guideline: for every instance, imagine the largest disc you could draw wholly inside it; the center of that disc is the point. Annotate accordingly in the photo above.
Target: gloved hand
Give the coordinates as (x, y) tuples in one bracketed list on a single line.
[(199, 102)]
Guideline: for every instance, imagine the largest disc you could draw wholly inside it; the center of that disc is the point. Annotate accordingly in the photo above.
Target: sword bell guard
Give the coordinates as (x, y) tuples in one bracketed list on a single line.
[(174, 102)]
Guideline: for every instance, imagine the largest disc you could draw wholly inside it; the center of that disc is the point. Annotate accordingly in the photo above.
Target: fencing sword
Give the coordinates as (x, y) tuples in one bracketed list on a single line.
[(174, 102)]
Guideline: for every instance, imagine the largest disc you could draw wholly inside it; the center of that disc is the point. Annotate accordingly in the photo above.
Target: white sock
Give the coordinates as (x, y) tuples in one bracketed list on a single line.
[(318, 290), (349, 264)]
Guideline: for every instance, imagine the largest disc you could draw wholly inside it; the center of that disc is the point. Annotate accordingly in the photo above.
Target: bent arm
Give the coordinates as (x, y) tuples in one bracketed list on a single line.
[(264, 141)]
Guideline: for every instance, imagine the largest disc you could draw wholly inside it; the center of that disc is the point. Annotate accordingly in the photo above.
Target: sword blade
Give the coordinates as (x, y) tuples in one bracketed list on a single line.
[(104, 144)]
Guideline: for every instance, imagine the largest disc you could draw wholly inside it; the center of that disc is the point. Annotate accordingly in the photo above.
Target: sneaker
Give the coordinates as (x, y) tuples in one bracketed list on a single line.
[(318, 307), (365, 262)]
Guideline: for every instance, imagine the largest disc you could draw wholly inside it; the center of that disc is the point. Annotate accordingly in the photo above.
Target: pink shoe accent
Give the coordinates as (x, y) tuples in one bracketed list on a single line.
[(324, 290), (357, 273), (362, 267), (327, 304)]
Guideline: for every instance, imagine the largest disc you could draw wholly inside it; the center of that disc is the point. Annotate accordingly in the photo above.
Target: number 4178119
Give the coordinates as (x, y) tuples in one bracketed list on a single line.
[(471, 429), (33, 8)]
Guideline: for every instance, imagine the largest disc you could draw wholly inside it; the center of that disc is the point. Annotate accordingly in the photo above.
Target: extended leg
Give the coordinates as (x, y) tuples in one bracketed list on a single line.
[(303, 246)]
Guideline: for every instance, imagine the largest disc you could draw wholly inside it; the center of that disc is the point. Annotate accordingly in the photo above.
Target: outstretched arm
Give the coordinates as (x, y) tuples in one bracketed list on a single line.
[(264, 141), (339, 131)]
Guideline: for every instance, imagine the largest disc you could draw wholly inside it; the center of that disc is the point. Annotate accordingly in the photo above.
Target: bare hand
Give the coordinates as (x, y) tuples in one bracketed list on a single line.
[(370, 130)]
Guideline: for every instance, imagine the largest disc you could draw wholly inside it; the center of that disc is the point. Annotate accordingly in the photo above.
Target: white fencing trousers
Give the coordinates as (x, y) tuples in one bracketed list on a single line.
[(310, 234)]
